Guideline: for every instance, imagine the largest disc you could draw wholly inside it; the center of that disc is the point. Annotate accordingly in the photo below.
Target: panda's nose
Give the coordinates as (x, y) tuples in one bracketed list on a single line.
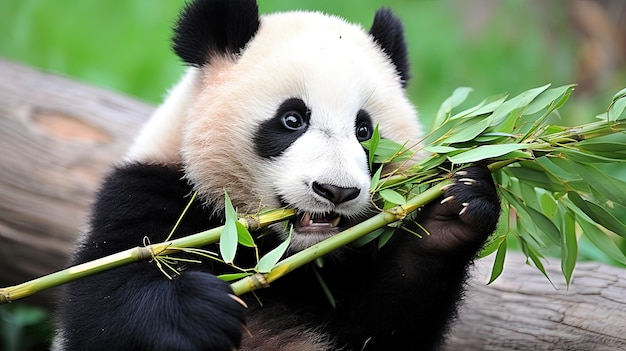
[(335, 194)]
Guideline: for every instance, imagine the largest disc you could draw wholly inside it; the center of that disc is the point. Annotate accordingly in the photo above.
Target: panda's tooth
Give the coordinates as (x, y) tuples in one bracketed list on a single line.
[(334, 222), (306, 219)]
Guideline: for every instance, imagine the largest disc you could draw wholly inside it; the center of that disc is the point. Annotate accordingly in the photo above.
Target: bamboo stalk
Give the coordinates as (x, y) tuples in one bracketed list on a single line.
[(135, 254), (347, 236)]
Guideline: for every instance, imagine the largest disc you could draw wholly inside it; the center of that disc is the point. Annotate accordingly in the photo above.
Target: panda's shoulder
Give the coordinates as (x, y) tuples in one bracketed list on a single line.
[(130, 180)]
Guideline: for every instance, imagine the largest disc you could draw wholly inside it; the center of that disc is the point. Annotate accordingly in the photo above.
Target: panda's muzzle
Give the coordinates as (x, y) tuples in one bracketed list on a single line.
[(314, 222)]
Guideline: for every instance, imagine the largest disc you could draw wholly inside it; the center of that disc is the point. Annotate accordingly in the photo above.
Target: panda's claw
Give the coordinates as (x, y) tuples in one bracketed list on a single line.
[(465, 205), (460, 173), (467, 181), (447, 199), (446, 187), (238, 300)]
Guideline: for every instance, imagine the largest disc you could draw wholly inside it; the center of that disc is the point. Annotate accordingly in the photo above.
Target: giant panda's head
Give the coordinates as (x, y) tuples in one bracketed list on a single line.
[(273, 109)]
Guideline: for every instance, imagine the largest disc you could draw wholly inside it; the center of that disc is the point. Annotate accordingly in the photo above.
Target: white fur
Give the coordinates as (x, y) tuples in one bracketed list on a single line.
[(159, 140), (209, 119)]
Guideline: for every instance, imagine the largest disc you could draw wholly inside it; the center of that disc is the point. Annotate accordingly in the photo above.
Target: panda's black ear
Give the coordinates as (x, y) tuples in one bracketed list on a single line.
[(388, 32), (209, 28)]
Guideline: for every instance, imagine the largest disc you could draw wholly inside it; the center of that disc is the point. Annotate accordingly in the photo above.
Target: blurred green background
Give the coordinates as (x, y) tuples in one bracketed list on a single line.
[(494, 46)]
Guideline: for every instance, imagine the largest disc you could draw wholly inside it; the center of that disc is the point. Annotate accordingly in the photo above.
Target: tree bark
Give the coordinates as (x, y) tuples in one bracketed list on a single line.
[(58, 138), (521, 310)]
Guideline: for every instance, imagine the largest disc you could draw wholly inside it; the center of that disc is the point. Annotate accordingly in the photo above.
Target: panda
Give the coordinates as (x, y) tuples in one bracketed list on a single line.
[(274, 109)]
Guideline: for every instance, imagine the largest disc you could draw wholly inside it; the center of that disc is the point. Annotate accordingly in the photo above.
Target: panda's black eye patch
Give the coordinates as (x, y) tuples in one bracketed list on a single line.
[(363, 129), (275, 135)]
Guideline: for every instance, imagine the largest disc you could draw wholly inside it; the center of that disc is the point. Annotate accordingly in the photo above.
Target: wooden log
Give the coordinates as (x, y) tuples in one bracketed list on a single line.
[(58, 137), (521, 310)]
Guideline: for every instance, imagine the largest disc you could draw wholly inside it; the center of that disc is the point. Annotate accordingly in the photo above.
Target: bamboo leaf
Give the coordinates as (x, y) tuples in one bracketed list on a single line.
[(544, 224), (620, 95), (498, 263), (613, 189), (564, 171), (229, 236), (493, 136), (513, 155), (269, 260), (617, 107), (586, 157), (392, 196), (458, 96), (569, 246), (243, 235), (598, 214), (485, 152), (536, 177), (527, 222), (375, 179), (549, 206), (233, 276), (600, 240), (467, 130), (388, 150), (372, 145), (369, 237), (383, 239), (519, 102), (534, 255), (437, 149), (486, 106), (547, 99), (609, 149)]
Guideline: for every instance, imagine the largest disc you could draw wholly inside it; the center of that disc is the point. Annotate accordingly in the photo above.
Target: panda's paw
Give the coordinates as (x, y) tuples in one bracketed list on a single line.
[(472, 183), (466, 214), (208, 314)]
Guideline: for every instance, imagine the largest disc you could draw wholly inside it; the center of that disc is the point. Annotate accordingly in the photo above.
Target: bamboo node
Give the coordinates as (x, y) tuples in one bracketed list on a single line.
[(398, 213), (4, 297), (144, 253), (258, 281), (252, 223)]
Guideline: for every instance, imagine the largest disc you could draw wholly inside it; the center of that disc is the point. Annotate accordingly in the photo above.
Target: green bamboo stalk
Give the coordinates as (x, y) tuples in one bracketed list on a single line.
[(12, 293), (347, 236), (135, 254)]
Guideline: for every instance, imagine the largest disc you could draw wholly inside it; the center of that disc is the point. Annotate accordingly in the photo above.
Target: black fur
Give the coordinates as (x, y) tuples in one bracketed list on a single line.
[(272, 137), (388, 32), (135, 307), (400, 297), (210, 28)]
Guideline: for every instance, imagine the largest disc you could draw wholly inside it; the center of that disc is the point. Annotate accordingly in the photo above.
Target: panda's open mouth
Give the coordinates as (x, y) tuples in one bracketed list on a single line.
[(307, 222)]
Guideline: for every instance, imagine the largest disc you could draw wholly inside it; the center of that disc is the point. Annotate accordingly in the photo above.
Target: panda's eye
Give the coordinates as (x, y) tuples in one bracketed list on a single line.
[(363, 131), (293, 120)]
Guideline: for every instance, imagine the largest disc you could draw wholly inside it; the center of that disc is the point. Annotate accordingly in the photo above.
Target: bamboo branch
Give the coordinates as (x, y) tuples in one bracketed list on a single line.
[(135, 254), (347, 236)]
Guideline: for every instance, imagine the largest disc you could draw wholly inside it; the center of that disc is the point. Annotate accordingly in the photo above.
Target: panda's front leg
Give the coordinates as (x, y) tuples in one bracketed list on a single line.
[(408, 296), (434, 268)]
